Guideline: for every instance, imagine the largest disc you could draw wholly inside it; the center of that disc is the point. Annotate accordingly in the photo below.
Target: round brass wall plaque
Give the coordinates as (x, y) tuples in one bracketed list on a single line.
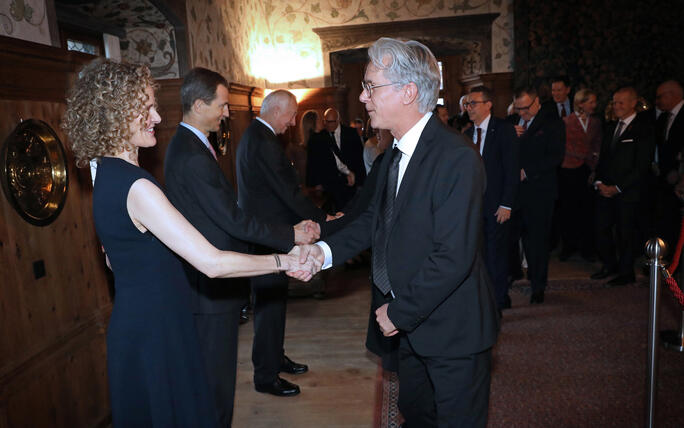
[(34, 172)]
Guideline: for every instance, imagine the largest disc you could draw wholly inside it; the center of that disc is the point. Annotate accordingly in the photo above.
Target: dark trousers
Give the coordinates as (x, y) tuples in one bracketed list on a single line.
[(616, 213), (532, 223), (443, 391), (496, 245), (269, 301), (576, 209), (218, 335)]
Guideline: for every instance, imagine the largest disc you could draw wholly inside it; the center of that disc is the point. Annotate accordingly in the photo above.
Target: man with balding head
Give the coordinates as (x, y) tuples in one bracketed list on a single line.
[(626, 155), (335, 160), (268, 189), (670, 142)]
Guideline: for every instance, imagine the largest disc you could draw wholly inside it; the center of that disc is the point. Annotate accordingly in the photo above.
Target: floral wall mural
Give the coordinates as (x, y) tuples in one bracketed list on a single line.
[(25, 19), (270, 43), (150, 38)]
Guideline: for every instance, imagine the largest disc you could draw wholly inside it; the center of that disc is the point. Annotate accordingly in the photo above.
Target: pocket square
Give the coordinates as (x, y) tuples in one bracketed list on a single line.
[(631, 140)]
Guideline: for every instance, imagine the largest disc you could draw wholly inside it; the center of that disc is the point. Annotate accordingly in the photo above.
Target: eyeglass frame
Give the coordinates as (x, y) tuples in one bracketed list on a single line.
[(368, 88), (472, 104), (520, 109)]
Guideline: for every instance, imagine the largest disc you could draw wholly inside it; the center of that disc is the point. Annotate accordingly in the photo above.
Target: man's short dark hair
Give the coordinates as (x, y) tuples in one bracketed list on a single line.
[(525, 90), (437, 107), (485, 91), (200, 84), (563, 79)]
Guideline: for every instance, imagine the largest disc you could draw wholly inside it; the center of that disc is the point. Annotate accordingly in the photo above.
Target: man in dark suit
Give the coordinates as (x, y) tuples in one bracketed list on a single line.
[(425, 226), (670, 142), (560, 92), (268, 189), (625, 158), (335, 160), (542, 146), (197, 187), (496, 141)]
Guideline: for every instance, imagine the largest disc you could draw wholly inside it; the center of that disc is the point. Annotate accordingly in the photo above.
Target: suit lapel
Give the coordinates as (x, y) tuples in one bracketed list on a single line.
[(189, 135), (413, 169), (489, 138)]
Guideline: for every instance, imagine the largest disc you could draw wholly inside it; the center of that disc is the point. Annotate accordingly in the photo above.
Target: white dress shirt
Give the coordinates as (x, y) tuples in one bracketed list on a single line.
[(341, 167)]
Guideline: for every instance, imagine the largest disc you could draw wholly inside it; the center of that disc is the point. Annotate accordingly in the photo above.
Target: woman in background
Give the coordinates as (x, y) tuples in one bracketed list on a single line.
[(156, 377), (576, 175)]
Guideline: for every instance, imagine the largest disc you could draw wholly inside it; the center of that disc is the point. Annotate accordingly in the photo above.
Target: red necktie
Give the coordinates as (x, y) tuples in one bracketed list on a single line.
[(524, 126), (479, 139), (563, 114)]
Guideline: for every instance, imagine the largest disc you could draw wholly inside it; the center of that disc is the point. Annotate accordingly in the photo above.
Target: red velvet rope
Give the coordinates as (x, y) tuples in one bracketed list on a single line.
[(669, 280)]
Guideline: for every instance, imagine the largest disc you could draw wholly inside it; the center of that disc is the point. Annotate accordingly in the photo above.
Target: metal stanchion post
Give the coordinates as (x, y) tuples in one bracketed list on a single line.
[(655, 248), (673, 339)]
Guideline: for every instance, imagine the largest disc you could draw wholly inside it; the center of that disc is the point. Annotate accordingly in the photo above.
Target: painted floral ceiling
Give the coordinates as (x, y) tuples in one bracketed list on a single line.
[(150, 38)]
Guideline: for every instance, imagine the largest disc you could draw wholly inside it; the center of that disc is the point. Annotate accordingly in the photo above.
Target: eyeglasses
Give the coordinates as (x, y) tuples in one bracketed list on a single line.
[(368, 88), (525, 108), (473, 104)]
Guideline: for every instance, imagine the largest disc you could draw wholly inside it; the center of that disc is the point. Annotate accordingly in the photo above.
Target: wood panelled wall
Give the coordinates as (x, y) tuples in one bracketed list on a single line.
[(52, 329)]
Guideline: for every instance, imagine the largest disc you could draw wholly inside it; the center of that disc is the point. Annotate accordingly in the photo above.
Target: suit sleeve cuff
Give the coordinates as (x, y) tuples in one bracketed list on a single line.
[(327, 263)]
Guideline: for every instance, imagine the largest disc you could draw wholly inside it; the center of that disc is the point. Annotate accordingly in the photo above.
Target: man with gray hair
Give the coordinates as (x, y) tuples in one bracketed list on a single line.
[(268, 189), (425, 226)]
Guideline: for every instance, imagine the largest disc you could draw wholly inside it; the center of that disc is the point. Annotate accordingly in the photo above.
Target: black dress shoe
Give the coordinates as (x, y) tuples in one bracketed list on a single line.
[(603, 273), (537, 297), (621, 280), (289, 366), (279, 387)]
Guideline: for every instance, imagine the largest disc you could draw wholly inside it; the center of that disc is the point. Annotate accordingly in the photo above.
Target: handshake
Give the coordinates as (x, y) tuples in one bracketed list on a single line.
[(303, 261)]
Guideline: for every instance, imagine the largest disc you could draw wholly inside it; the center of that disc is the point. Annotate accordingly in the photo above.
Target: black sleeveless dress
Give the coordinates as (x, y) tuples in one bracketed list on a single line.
[(156, 374)]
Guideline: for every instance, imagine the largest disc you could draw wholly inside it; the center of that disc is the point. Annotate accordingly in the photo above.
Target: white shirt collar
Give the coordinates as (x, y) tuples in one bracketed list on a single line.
[(627, 120), (267, 124), (483, 126), (407, 144), (197, 132)]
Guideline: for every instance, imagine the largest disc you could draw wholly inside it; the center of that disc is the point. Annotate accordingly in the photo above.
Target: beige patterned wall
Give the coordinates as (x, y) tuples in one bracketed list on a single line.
[(271, 43), (25, 19)]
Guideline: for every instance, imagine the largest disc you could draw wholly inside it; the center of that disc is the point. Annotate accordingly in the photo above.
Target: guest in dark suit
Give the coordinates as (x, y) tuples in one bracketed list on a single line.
[(670, 142), (560, 92), (575, 177), (335, 160), (427, 244), (496, 141), (197, 187), (268, 189), (626, 155), (542, 145)]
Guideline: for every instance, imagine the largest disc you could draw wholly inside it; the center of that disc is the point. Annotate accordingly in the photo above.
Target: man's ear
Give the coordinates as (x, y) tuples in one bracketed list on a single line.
[(410, 93), (197, 106)]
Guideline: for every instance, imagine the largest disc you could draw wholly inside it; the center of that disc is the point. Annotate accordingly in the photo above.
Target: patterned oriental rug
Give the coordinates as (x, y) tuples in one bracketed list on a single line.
[(578, 360)]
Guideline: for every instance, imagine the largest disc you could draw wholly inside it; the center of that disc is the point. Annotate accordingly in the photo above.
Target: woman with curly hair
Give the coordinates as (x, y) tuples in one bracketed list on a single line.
[(156, 377)]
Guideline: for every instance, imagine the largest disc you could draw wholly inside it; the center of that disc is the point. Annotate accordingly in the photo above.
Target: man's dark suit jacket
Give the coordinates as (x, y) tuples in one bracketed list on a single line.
[(626, 163), (321, 166), (500, 157), (444, 299), (670, 149), (542, 148), (267, 182), (197, 187)]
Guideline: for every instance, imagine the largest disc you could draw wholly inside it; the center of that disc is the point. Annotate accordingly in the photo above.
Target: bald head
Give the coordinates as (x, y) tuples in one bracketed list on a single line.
[(279, 109), (331, 119), (668, 95)]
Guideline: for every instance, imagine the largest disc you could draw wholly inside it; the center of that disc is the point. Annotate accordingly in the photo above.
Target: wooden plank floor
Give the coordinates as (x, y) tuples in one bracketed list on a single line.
[(329, 336)]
